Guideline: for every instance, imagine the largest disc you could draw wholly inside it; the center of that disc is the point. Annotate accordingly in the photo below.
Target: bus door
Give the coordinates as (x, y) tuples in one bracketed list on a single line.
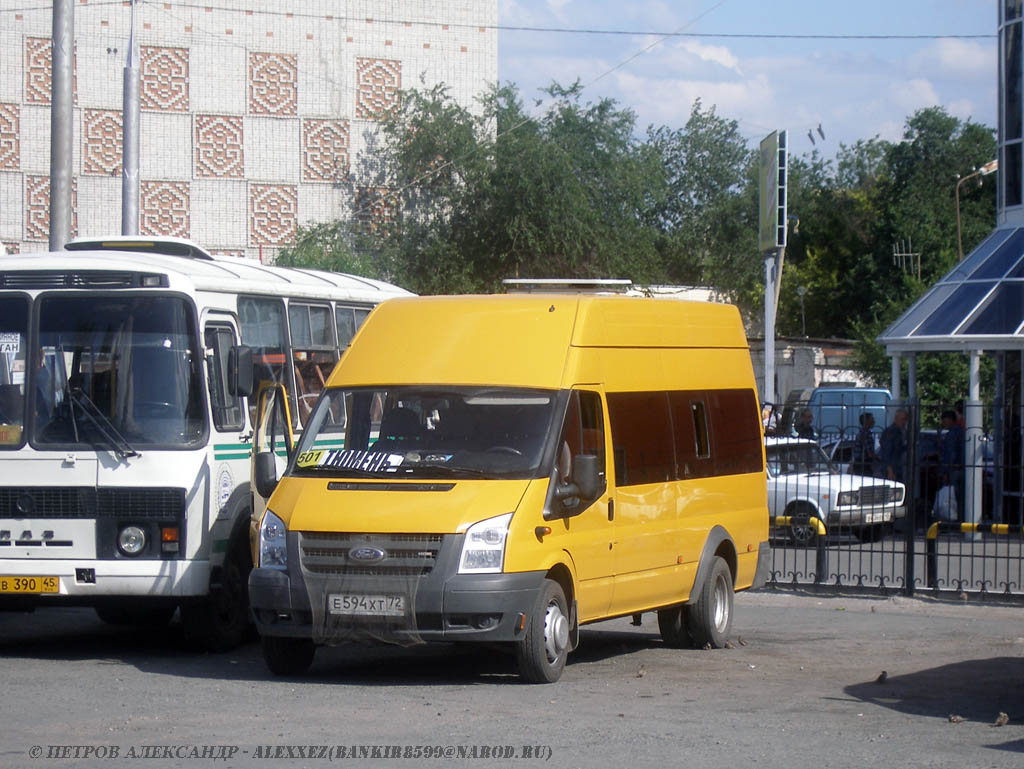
[(272, 446)]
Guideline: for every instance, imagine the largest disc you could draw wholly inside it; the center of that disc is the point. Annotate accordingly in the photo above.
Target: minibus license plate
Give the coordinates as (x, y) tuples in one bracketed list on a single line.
[(366, 605), (29, 584)]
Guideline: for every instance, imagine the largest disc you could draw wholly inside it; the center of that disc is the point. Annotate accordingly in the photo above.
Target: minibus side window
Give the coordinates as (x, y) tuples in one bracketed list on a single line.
[(642, 437), (734, 424), (583, 432)]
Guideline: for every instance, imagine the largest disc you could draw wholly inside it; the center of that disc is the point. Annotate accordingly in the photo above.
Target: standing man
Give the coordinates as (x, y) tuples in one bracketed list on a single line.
[(951, 455), (804, 426), (892, 449), (864, 448)]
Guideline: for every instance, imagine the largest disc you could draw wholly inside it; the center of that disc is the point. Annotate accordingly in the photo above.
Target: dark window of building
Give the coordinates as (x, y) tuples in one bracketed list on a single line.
[(1010, 171)]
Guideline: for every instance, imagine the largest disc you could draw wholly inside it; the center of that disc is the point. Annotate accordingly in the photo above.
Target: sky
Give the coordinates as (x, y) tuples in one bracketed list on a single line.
[(853, 88)]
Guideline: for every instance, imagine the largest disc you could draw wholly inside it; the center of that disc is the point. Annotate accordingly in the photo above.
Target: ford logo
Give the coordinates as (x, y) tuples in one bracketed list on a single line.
[(367, 554)]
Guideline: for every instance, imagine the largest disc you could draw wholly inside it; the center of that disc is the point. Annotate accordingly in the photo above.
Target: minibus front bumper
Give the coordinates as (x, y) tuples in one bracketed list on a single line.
[(461, 607)]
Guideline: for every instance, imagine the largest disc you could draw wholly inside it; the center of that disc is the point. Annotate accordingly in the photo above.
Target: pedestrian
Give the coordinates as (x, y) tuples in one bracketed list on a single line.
[(770, 419), (804, 426), (892, 449), (951, 455), (864, 447)]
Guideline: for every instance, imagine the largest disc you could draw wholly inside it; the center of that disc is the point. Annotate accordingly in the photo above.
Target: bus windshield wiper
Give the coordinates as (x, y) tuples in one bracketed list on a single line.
[(103, 425)]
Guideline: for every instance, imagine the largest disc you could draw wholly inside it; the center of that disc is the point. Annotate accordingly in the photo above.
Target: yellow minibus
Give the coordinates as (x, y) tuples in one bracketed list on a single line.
[(507, 469)]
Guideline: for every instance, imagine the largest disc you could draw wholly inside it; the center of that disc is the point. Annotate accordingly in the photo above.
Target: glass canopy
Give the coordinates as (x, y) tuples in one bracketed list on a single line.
[(979, 304)]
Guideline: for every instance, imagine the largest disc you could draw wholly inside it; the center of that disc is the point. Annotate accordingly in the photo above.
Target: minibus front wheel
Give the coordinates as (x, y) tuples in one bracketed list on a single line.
[(541, 654), (709, 617)]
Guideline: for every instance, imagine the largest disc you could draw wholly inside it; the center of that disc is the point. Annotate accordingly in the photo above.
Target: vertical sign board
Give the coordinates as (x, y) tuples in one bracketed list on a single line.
[(771, 233)]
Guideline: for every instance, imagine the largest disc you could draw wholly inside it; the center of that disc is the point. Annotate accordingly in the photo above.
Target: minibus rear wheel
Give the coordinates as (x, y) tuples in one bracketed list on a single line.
[(541, 654), (709, 617), (287, 656)]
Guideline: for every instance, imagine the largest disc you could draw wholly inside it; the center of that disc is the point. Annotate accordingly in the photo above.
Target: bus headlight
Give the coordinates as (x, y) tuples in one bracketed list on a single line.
[(273, 542), (131, 540), (483, 552)]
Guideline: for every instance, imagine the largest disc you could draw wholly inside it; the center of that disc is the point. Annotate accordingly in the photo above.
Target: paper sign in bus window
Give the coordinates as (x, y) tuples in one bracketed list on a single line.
[(10, 342)]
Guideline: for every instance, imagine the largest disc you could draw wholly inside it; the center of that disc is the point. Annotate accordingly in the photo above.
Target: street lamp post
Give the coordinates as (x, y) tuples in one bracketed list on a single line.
[(985, 170)]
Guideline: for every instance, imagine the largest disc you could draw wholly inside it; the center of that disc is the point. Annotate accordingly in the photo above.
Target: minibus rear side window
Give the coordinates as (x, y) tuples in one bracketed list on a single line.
[(642, 437), (737, 437)]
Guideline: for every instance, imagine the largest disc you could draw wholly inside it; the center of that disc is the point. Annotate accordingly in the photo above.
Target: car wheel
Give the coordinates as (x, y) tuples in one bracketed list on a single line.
[(801, 530)]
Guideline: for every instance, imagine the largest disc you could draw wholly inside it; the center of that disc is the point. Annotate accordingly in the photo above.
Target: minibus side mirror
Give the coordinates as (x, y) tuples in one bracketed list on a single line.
[(265, 473), (587, 476), (241, 373), (586, 485)]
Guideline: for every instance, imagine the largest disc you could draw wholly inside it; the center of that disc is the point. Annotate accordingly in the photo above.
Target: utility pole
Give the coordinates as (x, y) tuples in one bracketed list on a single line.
[(130, 140), (62, 105), (771, 239)]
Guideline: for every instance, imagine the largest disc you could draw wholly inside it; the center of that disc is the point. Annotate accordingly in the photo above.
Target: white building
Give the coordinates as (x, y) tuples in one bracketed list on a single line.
[(256, 114)]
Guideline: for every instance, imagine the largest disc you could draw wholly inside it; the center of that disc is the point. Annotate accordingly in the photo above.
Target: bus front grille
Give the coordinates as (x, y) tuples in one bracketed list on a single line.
[(90, 502)]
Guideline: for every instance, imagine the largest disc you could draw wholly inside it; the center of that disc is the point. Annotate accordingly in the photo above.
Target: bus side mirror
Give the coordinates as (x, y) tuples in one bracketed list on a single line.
[(265, 473), (241, 373)]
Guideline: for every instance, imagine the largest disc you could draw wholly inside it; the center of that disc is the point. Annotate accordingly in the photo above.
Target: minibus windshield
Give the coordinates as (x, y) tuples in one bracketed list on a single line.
[(428, 432), (118, 371)]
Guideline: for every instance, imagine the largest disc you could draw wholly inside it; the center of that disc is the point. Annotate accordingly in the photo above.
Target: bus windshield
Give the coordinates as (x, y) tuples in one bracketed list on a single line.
[(116, 369), (427, 432)]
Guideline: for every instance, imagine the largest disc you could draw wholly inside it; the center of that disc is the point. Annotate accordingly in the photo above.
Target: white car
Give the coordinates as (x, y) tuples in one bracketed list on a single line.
[(802, 483)]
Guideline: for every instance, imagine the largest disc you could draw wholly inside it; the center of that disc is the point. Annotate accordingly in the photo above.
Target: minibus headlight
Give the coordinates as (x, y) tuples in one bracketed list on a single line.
[(273, 542), (483, 552)]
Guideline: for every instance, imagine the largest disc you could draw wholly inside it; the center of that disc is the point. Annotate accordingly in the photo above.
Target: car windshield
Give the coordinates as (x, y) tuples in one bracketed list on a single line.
[(429, 432), (117, 371), (797, 458)]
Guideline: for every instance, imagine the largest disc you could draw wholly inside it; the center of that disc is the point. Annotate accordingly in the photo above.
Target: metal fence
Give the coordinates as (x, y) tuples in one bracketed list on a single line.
[(928, 507)]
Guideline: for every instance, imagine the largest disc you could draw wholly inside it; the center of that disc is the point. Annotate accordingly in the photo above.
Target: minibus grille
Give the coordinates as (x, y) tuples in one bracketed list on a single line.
[(89, 502), (405, 555)]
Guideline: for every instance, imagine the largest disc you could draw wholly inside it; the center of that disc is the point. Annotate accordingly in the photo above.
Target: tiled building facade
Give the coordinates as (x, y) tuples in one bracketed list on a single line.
[(256, 114)]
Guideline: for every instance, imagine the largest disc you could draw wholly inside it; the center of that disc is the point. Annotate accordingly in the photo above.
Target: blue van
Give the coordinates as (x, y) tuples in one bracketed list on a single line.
[(837, 410)]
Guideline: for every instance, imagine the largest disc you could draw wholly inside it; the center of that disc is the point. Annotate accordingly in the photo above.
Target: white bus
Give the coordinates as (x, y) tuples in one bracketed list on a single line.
[(124, 455)]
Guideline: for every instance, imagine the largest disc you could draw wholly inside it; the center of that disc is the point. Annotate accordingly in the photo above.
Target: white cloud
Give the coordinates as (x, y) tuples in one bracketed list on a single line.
[(557, 7), (960, 60), (912, 95)]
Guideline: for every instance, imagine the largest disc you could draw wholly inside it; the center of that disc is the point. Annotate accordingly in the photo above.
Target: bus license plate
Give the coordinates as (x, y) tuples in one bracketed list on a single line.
[(29, 584), (366, 605)]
